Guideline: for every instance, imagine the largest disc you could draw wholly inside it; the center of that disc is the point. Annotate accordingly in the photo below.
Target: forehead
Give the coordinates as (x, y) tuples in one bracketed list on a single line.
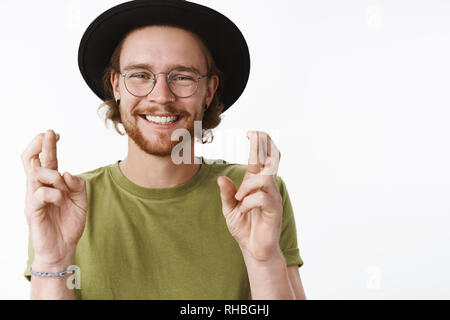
[(163, 47)]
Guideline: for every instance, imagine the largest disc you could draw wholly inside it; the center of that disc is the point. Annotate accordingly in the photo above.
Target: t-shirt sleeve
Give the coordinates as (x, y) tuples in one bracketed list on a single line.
[(27, 273), (288, 237)]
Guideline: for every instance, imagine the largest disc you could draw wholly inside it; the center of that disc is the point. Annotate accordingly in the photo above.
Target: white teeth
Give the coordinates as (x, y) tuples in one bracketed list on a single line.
[(162, 120)]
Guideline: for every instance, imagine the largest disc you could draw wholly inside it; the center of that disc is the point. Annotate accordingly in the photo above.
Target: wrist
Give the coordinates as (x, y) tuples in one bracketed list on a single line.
[(269, 279), (274, 259), (41, 265)]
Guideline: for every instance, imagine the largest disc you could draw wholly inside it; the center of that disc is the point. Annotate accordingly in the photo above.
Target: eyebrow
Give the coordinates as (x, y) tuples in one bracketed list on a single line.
[(150, 67)]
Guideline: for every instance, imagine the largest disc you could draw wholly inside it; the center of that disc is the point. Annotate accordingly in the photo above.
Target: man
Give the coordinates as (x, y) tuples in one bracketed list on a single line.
[(152, 226)]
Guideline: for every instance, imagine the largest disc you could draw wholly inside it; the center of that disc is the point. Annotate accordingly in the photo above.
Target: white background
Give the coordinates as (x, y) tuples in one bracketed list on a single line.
[(355, 93)]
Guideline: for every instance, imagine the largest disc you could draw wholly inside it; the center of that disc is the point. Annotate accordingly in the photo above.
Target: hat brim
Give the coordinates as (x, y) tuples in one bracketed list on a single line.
[(221, 36)]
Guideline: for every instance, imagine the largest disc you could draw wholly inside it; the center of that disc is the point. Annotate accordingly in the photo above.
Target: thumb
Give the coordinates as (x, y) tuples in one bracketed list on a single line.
[(227, 192), (75, 184)]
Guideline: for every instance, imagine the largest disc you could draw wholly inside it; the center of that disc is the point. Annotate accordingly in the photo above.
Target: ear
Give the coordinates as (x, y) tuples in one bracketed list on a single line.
[(114, 79), (213, 84)]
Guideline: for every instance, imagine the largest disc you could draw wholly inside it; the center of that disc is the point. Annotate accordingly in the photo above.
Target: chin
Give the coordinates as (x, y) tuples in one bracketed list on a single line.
[(158, 143)]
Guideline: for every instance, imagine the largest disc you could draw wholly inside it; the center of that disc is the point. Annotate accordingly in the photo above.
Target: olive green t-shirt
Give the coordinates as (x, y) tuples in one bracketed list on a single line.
[(170, 243)]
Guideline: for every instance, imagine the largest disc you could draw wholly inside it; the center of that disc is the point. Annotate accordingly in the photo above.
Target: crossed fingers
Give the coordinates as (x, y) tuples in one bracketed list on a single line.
[(264, 157)]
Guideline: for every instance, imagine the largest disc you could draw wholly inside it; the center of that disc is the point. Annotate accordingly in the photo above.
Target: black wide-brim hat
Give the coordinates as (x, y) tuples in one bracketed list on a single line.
[(220, 34)]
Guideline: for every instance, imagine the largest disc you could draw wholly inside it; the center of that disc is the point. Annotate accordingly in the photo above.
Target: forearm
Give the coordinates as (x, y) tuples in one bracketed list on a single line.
[(51, 288), (269, 280)]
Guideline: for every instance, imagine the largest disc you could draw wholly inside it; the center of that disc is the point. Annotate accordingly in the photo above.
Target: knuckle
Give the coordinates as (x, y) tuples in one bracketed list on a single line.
[(34, 173), (44, 157), (58, 195), (266, 179), (25, 158), (260, 197), (41, 193), (58, 177), (47, 162)]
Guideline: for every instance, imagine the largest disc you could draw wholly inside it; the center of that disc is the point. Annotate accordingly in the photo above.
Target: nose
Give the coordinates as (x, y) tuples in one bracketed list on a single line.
[(161, 93)]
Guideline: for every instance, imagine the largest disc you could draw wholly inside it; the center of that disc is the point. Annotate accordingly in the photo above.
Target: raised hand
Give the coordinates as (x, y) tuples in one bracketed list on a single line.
[(254, 212), (55, 205)]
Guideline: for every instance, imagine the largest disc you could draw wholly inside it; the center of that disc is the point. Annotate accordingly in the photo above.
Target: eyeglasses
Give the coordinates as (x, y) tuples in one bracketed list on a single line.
[(182, 82)]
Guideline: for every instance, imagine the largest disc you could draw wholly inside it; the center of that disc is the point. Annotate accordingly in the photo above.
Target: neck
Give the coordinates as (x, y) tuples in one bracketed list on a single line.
[(157, 172)]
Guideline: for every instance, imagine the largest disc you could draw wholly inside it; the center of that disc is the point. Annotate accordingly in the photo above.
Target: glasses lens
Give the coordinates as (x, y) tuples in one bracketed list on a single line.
[(139, 82), (183, 83)]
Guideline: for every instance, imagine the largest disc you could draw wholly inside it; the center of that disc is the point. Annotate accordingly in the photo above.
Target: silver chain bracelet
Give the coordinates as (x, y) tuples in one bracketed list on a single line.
[(57, 274)]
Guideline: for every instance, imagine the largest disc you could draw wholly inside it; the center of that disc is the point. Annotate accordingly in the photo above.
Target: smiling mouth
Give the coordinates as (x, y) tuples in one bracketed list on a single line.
[(161, 120)]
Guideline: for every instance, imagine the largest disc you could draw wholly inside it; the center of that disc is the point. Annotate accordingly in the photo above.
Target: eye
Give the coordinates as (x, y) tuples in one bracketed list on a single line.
[(140, 76), (181, 77)]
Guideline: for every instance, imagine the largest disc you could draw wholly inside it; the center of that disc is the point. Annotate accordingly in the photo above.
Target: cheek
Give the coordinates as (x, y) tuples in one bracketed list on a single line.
[(194, 107), (125, 110)]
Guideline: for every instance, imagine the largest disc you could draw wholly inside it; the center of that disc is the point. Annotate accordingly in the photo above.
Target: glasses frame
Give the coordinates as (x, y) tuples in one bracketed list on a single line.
[(155, 79)]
